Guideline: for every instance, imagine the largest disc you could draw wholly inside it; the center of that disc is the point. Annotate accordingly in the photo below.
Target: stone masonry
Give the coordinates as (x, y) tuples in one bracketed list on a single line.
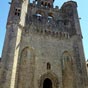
[(43, 47)]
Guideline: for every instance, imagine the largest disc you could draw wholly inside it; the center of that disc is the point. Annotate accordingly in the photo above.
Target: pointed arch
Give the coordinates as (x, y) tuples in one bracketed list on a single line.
[(42, 13), (52, 77), (27, 52), (26, 62), (66, 57), (47, 81), (67, 70)]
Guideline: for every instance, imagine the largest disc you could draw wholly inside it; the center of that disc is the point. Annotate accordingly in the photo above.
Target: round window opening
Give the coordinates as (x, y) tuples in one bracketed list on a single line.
[(47, 83)]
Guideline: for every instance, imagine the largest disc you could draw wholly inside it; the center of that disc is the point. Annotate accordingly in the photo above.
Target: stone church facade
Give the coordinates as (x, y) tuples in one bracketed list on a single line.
[(43, 46)]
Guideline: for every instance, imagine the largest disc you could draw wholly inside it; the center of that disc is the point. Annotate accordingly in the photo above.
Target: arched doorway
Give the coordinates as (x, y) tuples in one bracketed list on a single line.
[(48, 80), (47, 83)]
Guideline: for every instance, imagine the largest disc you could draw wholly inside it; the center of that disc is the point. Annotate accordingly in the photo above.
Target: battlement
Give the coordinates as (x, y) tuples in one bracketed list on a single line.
[(42, 14), (41, 48), (58, 34), (51, 19)]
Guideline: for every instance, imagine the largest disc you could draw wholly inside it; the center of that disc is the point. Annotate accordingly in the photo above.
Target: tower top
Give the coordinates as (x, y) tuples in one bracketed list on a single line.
[(45, 3)]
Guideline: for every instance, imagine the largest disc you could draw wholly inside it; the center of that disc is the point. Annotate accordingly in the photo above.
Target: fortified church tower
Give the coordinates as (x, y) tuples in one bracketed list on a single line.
[(43, 47)]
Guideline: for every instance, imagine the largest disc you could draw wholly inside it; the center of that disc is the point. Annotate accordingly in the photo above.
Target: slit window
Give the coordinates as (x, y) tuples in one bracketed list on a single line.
[(48, 66), (49, 5), (42, 3), (45, 3)]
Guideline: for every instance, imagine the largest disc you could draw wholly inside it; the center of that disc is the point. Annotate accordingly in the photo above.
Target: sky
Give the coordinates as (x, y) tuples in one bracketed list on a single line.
[(82, 12)]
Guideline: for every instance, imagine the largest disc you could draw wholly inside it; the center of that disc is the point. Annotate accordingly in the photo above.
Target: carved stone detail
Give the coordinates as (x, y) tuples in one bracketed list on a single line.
[(52, 77)]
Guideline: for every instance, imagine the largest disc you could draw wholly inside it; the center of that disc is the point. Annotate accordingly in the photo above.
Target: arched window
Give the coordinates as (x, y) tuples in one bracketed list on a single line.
[(49, 5), (42, 3), (66, 56), (48, 66), (67, 70), (49, 18), (24, 66), (45, 3), (26, 53), (39, 14), (66, 60)]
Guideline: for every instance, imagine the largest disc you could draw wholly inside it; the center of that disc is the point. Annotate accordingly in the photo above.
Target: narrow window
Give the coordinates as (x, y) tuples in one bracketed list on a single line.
[(17, 11), (50, 18), (45, 3), (42, 3), (49, 5), (48, 66), (87, 65), (39, 16)]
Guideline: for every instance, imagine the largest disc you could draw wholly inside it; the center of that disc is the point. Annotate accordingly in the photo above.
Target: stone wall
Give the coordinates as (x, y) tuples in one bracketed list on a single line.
[(46, 51), (43, 43), (87, 67)]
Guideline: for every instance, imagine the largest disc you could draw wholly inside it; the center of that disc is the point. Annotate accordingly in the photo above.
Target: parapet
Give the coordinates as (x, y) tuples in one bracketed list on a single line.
[(51, 21)]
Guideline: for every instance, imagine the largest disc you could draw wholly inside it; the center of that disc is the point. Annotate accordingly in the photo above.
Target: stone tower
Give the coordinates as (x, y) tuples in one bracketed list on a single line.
[(43, 47)]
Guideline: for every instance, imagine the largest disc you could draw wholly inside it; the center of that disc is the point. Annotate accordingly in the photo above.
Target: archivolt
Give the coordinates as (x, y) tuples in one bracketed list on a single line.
[(50, 76)]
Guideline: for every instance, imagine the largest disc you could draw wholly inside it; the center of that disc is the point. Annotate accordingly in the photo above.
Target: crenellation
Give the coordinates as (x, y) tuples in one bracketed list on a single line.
[(51, 18), (43, 46)]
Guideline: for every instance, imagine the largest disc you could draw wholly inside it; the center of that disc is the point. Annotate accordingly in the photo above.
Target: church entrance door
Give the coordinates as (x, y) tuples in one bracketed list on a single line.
[(47, 83)]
